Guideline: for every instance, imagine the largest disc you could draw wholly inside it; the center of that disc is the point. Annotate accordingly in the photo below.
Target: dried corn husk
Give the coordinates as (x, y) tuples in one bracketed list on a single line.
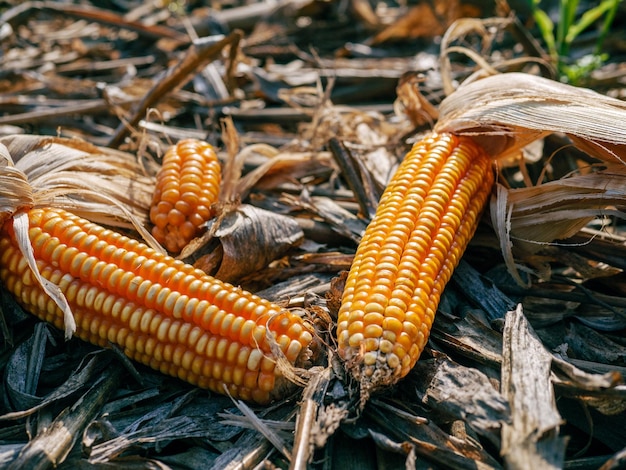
[(507, 112), (510, 110), (106, 185)]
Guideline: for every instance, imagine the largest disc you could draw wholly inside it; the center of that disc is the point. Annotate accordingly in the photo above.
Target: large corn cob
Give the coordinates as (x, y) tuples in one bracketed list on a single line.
[(187, 186), (425, 219), (160, 311)]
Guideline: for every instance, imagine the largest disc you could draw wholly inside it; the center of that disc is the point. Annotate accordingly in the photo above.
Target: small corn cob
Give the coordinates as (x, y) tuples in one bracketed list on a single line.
[(187, 186), (160, 311), (426, 217)]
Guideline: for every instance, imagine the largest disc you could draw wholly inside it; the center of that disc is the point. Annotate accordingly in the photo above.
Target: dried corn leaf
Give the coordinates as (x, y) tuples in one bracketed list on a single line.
[(23, 369), (470, 337), (284, 167), (606, 392), (251, 238), (428, 440), (602, 318), (577, 379), (24, 401), (52, 445), (466, 393), (342, 221), (481, 291), (586, 344), (155, 433)]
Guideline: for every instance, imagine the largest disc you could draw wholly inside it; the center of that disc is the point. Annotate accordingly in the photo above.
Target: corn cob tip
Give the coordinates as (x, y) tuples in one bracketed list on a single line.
[(382, 368), (291, 374), (373, 375)]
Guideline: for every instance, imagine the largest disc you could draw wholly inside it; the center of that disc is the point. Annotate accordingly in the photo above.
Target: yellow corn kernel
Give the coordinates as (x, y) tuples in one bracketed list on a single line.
[(187, 186), (124, 292), (426, 217)]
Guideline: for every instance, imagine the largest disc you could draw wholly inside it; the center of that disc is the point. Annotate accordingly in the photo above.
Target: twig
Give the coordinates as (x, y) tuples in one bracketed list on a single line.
[(311, 400), (356, 178), (17, 15)]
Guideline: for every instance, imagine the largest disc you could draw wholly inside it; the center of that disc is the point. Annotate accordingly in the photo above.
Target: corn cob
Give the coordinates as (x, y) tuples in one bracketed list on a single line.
[(187, 186), (424, 221), (160, 311)]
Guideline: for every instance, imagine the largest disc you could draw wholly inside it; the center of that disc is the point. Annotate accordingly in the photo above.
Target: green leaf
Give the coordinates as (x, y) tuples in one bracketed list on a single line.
[(606, 26), (587, 19), (579, 71), (567, 14)]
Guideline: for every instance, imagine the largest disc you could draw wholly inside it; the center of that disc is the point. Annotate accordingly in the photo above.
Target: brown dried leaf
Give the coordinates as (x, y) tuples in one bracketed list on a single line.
[(412, 103), (251, 238), (426, 20), (335, 293)]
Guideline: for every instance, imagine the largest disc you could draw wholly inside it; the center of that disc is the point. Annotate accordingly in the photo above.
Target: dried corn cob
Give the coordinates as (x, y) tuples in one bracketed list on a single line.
[(187, 186), (422, 226), (160, 311)]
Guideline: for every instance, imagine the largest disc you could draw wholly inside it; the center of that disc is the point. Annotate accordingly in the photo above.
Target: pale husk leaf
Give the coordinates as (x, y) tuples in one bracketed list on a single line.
[(507, 111), (562, 207), (537, 215), (53, 165), (20, 225)]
